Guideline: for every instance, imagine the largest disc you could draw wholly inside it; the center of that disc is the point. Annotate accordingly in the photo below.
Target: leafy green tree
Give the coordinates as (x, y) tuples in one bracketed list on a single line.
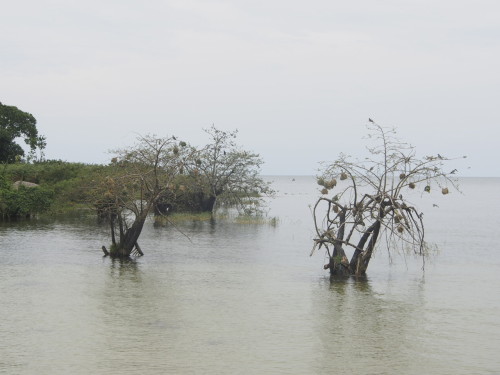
[(15, 124), (23, 201)]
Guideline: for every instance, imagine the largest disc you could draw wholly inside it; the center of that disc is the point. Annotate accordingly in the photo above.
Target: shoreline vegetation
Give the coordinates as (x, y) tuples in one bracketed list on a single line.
[(159, 175), (58, 187)]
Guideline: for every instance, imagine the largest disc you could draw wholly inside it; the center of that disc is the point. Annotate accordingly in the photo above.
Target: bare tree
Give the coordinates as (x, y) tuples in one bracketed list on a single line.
[(226, 174), (369, 202), (138, 177)]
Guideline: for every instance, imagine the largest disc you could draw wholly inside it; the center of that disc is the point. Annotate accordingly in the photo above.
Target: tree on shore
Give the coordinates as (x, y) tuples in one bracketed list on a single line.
[(368, 204), (226, 175), (14, 124), (127, 194)]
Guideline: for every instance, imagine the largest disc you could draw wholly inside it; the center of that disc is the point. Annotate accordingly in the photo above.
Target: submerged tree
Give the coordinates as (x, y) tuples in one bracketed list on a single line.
[(139, 176), (369, 204), (222, 174)]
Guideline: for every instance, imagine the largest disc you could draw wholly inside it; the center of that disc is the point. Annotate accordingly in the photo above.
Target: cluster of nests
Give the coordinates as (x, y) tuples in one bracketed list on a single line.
[(427, 188), (330, 184)]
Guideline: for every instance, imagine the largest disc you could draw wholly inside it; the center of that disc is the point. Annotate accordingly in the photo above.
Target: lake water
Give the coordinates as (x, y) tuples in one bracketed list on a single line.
[(240, 298)]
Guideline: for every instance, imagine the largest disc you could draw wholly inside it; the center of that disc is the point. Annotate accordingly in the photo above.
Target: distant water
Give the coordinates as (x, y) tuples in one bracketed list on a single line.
[(247, 299)]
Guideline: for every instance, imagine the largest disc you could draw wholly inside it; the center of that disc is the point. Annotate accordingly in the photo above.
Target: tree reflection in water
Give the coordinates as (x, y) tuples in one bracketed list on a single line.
[(363, 329)]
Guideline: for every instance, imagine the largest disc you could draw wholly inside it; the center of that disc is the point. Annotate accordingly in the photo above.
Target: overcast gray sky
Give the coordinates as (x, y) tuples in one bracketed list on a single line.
[(299, 79)]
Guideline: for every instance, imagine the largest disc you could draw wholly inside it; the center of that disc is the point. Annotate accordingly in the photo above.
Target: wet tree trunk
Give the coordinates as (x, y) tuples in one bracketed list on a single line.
[(208, 204), (366, 256), (128, 239), (361, 257), (339, 265)]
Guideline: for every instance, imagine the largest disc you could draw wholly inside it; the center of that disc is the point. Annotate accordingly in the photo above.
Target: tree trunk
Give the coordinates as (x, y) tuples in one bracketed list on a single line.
[(112, 225), (367, 255), (339, 265), (208, 204), (128, 239), (361, 258)]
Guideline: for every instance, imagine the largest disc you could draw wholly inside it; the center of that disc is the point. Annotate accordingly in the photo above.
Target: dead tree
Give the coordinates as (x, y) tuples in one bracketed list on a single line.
[(364, 202)]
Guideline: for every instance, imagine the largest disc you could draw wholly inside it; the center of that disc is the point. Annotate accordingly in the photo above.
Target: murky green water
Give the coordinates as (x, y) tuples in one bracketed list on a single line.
[(247, 299)]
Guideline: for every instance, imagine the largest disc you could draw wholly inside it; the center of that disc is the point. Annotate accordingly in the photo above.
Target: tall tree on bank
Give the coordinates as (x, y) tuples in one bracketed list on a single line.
[(226, 175), (140, 175), (369, 203), (14, 124)]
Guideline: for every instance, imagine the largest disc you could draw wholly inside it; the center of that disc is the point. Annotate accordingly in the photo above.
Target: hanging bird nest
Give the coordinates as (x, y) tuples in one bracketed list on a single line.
[(427, 189), (343, 176), (324, 191), (402, 176), (330, 184), (411, 185), (321, 181), (335, 209), (401, 229), (445, 191)]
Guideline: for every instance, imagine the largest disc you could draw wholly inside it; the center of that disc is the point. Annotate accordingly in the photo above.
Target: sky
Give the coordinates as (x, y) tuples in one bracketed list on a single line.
[(298, 79)]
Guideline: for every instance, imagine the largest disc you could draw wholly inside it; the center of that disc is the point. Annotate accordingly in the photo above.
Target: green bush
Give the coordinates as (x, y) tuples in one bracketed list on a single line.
[(24, 202), (66, 182), (47, 172)]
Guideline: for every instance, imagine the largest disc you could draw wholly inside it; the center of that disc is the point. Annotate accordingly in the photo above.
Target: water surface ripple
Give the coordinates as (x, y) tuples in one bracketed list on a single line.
[(247, 299)]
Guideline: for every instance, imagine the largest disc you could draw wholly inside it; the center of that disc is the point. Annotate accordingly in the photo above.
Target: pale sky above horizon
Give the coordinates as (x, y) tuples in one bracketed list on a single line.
[(298, 79)]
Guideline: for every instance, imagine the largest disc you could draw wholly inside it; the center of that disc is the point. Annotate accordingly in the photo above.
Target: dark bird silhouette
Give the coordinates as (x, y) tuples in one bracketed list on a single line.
[(453, 171), (369, 119), (435, 205), (440, 157)]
